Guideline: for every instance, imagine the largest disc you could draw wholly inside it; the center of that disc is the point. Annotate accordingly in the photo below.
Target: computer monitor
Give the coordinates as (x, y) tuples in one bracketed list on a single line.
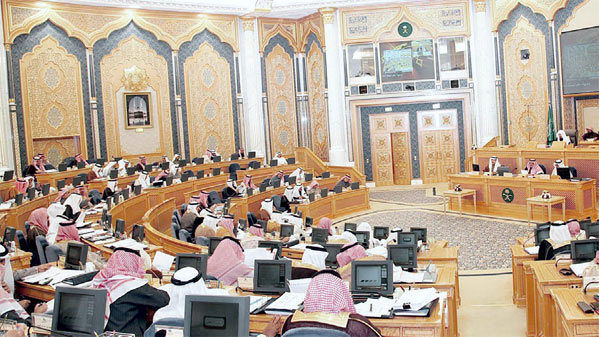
[(563, 172), (196, 261), (363, 237), (115, 198), (78, 312), (372, 277), (501, 170), (118, 159), (593, 229), (407, 238), (131, 171), (62, 167), (475, 168), (326, 175), (271, 276), (213, 243), (333, 249), (114, 173), (76, 256), (183, 163), (9, 235), (30, 193), (274, 162), (108, 222), (125, 194), (311, 197), (234, 156), (8, 175), (137, 189), (60, 184), (216, 171), (542, 233), (584, 250), (77, 180), (349, 226), (252, 154), (119, 226), (200, 174), (338, 188), (380, 232), (286, 231), (45, 189), (250, 192), (138, 233), (355, 185), (149, 168), (324, 192), (216, 159), (216, 316), (421, 233), (264, 225), (292, 180), (291, 161), (275, 246), (164, 166), (100, 161), (103, 217), (320, 235), (80, 165), (200, 161), (242, 224), (169, 181), (308, 176), (403, 255), (263, 187), (184, 177), (308, 222), (19, 199)]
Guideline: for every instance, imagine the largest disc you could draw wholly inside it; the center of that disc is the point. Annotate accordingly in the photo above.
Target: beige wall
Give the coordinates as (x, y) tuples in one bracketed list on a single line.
[(585, 16)]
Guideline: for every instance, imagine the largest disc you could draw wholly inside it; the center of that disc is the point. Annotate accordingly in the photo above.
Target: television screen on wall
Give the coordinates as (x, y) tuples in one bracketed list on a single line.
[(407, 61), (580, 61)]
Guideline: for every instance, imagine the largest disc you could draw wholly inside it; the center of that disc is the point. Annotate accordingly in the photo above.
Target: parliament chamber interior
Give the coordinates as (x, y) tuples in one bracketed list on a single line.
[(299, 168)]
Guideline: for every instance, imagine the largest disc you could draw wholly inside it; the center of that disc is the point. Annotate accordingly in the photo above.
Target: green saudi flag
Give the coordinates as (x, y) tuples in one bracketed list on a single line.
[(550, 127)]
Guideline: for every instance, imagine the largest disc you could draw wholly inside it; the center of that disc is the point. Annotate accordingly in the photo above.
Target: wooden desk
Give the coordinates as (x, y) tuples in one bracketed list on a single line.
[(20, 260), (547, 277), (16, 216), (507, 196), (570, 320), (107, 252), (336, 205), (539, 201), (458, 194), (5, 187), (67, 176), (38, 292), (519, 256)]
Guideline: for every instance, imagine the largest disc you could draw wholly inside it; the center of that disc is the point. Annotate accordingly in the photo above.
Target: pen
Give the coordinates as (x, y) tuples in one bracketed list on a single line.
[(370, 307)]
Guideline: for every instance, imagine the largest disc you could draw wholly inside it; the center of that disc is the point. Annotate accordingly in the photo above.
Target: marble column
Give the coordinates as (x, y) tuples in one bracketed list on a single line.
[(251, 84), (6, 139), (483, 73), (338, 153)]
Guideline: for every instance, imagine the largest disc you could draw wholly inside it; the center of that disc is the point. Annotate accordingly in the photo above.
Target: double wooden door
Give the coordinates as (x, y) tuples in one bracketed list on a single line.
[(439, 154), (390, 149)]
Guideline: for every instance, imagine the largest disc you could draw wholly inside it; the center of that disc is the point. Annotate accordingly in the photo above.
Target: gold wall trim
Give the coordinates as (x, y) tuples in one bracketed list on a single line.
[(90, 24), (267, 28), (501, 9), (310, 24)]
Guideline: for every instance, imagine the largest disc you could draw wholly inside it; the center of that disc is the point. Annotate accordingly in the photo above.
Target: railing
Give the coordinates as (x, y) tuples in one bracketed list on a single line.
[(311, 162)]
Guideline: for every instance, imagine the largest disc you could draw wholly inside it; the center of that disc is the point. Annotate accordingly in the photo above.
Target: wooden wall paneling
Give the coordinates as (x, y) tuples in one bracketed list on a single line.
[(380, 144), (317, 103)]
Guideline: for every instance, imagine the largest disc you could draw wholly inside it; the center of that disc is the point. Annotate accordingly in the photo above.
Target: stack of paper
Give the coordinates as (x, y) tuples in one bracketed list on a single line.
[(52, 276), (401, 276), (257, 302), (299, 285), (379, 307), (578, 268), (286, 304), (532, 250), (163, 262), (127, 243), (416, 299)]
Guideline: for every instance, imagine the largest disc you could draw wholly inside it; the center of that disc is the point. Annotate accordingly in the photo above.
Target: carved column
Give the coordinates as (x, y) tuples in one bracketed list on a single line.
[(338, 153), (6, 140), (251, 84), (483, 73)]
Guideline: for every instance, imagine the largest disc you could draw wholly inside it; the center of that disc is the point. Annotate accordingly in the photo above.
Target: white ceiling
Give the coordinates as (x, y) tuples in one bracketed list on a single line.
[(291, 9)]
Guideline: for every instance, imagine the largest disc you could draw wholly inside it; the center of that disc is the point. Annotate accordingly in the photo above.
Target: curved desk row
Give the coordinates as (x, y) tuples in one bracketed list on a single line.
[(16, 216), (5, 187)]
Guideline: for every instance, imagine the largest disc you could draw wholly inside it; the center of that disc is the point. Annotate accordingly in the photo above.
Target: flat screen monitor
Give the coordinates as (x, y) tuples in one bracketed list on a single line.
[(324, 192), (243, 223), (271, 276), (338, 188), (311, 197), (580, 74), (30, 193), (355, 185), (593, 229), (77, 180), (45, 189), (125, 194), (407, 238), (584, 250), (263, 187), (164, 166), (114, 174), (196, 261), (286, 231), (213, 243), (216, 171), (76, 311), (563, 172), (76, 256), (8, 175), (80, 165), (363, 237), (541, 233), (183, 163), (372, 277), (119, 227), (250, 192), (169, 181), (138, 233), (502, 170), (333, 249), (9, 235), (234, 156), (216, 159), (149, 168), (60, 184), (131, 171), (292, 180), (184, 177), (108, 222), (291, 161), (274, 246), (320, 235), (349, 226), (216, 316), (137, 189), (308, 222), (274, 162), (421, 233), (264, 225), (115, 198), (403, 255), (19, 199), (62, 167), (380, 232), (326, 175), (475, 168), (308, 176), (200, 174), (252, 154), (199, 161)]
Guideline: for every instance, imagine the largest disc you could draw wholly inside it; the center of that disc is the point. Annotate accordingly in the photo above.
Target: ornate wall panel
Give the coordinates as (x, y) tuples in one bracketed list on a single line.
[(158, 140), (310, 25), (438, 133), (281, 101), (209, 111), (318, 106), (56, 149), (382, 163), (53, 97), (501, 9), (269, 28), (526, 78), (390, 147), (400, 144)]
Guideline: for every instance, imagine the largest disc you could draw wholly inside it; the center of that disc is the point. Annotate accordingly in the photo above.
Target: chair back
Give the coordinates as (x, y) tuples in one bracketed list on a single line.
[(41, 244), (314, 332), (175, 228), (573, 172), (183, 208), (252, 220), (177, 217), (214, 198), (52, 253), (27, 226), (184, 235), (21, 239)]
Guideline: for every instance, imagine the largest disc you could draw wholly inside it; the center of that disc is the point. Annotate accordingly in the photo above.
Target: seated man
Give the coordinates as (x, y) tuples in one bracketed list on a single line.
[(227, 262), (280, 159), (130, 297), (34, 168), (345, 181), (45, 162), (141, 165), (556, 164), (328, 297), (562, 137), (241, 153), (533, 168), (95, 173), (590, 135), (79, 158), (493, 165)]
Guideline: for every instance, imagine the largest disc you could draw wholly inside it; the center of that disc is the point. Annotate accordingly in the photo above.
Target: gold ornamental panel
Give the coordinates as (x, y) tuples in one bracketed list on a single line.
[(318, 111), (310, 24), (52, 94), (501, 9), (56, 149), (267, 28), (281, 101), (208, 99), (120, 141), (402, 167)]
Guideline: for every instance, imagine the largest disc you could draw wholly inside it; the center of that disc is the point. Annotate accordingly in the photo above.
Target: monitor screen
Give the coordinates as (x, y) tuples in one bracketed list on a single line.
[(363, 238), (196, 261), (216, 171), (320, 235), (563, 172), (286, 231), (324, 192), (119, 227), (75, 311), (407, 237), (309, 222), (420, 232), (76, 256), (584, 250), (9, 234), (580, 73), (271, 276), (217, 316), (403, 255), (541, 233), (381, 232), (214, 241), (349, 226), (372, 277)]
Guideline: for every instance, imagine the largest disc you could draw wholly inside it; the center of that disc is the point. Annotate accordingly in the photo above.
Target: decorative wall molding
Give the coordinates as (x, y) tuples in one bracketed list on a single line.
[(268, 28), (501, 9), (308, 25)]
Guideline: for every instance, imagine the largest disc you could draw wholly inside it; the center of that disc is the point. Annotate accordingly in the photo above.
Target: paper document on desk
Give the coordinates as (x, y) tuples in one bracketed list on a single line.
[(252, 254), (401, 276), (6, 205), (257, 302), (287, 303), (52, 276), (163, 262), (532, 250), (380, 251), (416, 299), (578, 268), (299, 285), (127, 243), (375, 307)]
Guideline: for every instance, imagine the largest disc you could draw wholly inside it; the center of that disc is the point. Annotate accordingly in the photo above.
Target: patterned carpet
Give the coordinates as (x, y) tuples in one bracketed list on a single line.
[(411, 197), (484, 244)]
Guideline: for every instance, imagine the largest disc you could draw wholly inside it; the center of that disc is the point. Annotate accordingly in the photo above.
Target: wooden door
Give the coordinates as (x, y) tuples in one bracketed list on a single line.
[(429, 157), (390, 149), (439, 155), (400, 145), (380, 147)]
